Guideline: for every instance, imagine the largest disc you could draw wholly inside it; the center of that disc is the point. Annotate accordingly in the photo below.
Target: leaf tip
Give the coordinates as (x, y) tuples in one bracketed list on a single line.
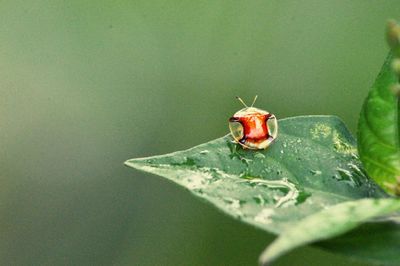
[(265, 259), (131, 163)]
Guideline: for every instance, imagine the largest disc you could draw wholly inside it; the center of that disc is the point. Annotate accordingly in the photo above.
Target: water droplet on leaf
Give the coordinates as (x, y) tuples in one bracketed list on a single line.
[(315, 172)]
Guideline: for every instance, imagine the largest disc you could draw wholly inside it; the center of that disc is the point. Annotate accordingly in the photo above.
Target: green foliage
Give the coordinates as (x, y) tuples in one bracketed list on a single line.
[(378, 130), (377, 243), (310, 185), (313, 165), (329, 223)]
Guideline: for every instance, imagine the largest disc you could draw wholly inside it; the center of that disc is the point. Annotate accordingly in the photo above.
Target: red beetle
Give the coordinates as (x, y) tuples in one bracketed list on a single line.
[(253, 128)]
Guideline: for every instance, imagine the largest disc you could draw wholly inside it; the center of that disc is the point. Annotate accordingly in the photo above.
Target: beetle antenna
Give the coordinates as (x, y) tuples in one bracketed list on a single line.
[(254, 101), (240, 100)]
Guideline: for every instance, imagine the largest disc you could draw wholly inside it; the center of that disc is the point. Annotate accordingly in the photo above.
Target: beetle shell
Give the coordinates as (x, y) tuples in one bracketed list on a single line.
[(253, 128)]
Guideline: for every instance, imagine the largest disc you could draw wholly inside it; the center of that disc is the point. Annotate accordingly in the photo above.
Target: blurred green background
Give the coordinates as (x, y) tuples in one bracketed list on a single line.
[(85, 85)]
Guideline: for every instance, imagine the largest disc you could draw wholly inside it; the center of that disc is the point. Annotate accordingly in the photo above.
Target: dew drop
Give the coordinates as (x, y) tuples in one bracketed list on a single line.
[(315, 172), (259, 199), (268, 170), (348, 177), (259, 155)]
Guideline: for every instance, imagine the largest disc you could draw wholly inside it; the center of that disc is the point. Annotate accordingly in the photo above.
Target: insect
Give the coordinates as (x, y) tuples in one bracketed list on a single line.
[(253, 128)]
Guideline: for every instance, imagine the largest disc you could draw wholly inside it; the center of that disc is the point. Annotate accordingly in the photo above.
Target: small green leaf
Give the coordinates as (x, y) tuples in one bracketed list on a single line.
[(312, 165), (328, 223), (378, 130)]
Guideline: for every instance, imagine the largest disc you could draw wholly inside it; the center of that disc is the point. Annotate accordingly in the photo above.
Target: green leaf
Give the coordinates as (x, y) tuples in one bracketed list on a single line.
[(378, 130), (312, 165), (328, 223), (377, 243)]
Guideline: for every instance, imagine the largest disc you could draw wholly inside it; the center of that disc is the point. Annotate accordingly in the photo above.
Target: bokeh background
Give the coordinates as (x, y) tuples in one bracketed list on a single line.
[(85, 85)]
